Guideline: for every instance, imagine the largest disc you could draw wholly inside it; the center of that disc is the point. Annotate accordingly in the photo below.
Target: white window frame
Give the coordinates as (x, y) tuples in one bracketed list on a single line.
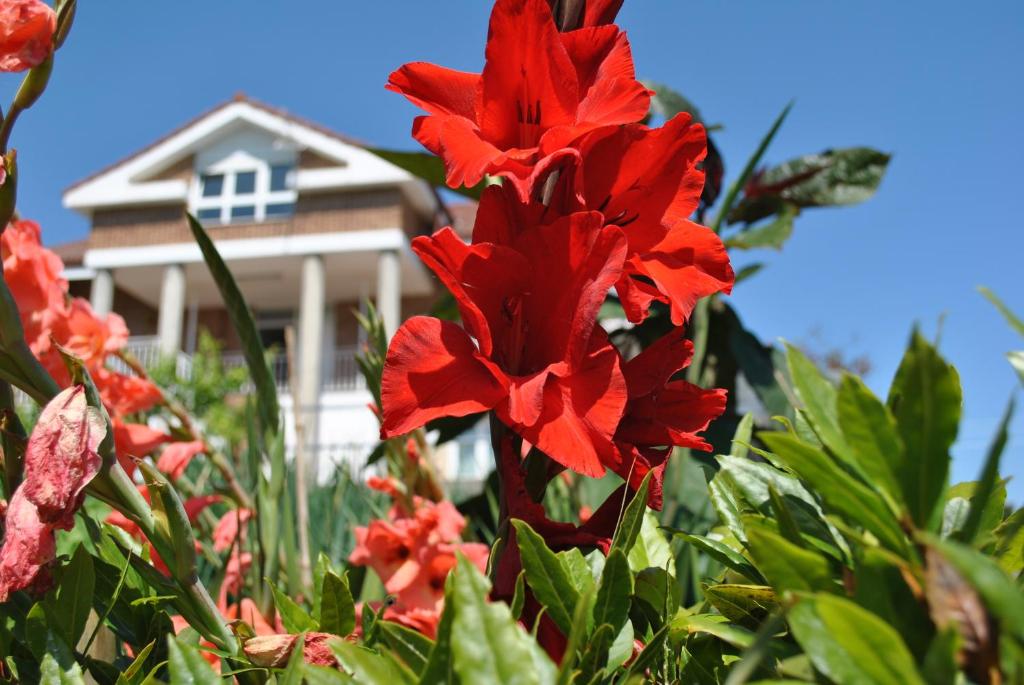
[(230, 166)]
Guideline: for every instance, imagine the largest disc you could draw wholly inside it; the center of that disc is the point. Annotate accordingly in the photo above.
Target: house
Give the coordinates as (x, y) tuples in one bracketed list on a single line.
[(310, 223)]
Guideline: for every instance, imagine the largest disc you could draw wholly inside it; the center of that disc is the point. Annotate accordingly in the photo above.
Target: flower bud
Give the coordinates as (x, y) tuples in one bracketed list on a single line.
[(8, 187), (26, 33), (61, 457)]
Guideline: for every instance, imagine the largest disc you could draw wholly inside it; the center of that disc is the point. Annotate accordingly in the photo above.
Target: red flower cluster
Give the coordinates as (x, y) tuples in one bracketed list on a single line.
[(412, 551), (591, 199), (26, 33), (49, 317)]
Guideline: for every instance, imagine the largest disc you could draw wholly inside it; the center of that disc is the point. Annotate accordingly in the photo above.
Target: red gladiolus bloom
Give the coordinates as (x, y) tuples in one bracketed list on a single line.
[(177, 456), (135, 440), (539, 90), (600, 12), (661, 413), (228, 528), (647, 182), (61, 457), (26, 33), (125, 395), (538, 361)]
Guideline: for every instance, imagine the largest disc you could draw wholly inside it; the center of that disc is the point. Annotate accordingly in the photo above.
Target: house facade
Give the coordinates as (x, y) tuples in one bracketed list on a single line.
[(311, 224)]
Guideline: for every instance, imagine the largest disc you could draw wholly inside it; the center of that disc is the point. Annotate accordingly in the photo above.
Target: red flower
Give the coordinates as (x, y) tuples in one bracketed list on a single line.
[(176, 457), (600, 12), (538, 361), (228, 528), (88, 336), (539, 90), (135, 440), (61, 457), (661, 413), (26, 33), (125, 395), (648, 182)]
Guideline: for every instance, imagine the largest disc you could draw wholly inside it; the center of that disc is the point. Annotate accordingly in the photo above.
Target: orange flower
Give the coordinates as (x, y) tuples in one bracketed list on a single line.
[(26, 33)]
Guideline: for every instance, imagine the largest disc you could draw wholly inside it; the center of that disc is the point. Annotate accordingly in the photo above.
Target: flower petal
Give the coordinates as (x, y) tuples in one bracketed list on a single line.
[(433, 370), (28, 549)]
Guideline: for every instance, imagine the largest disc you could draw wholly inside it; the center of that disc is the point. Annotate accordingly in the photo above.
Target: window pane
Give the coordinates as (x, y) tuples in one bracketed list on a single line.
[(211, 214), (213, 184), (245, 182), (280, 209), (243, 212), (279, 176)]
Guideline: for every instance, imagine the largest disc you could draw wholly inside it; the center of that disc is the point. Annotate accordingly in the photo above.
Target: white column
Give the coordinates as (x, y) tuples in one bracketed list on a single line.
[(102, 295), (172, 309), (389, 290), (310, 357)]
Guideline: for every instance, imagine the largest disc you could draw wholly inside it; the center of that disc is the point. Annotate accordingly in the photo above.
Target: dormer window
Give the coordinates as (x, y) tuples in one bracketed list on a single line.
[(244, 189)]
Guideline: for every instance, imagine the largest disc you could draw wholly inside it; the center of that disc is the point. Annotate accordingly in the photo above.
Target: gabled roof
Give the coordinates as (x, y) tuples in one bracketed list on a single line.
[(134, 180)]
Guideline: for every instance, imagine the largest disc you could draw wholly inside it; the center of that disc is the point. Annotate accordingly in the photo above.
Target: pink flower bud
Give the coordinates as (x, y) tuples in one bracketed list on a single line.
[(28, 550), (61, 457)]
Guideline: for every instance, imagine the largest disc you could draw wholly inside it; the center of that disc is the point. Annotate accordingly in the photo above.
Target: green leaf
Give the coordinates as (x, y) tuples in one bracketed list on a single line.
[(547, 577), (622, 646), (747, 271), (659, 591), (871, 434), (1001, 595), (722, 553), (836, 177), (925, 398), (595, 652), (667, 102), (295, 618), (75, 593), (773, 234), (1015, 322), (743, 435), (428, 167), (367, 666), (987, 484), (632, 520), (187, 666), (651, 547), (411, 647), (940, 663), (53, 673), (292, 674), (1017, 362), (840, 491), (849, 644), (748, 170), (1009, 543), (819, 398), (245, 326), (133, 674), (575, 637), (337, 608), (747, 605), (518, 596), (788, 566), (439, 666), (575, 564), (488, 646)]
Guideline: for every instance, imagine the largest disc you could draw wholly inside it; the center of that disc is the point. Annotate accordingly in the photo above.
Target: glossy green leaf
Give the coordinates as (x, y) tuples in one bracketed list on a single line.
[(836, 177), (840, 491), (746, 605), (518, 596), (186, 664), (819, 398), (75, 593), (337, 608), (632, 519), (772, 234), (488, 646), (367, 666), (849, 644), (659, 591), (1009, 543), (871, 434), (788, 566), (546, 576), (925, 399), (245, 326), (722, 553), (578, 569), (651, 548), (295, 618), (411, 646), (980, 503), (576, 637)]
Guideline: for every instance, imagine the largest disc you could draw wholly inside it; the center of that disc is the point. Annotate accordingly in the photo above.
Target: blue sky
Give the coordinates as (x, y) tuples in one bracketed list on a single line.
[(931, 83)]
